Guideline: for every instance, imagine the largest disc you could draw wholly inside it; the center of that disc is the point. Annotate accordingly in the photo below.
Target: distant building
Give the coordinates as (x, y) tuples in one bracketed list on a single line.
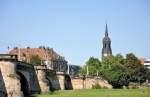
[(106, 50), (49, 57), (145, 62)]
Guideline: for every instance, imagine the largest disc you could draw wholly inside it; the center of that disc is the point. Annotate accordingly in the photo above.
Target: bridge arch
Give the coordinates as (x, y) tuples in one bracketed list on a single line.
[(51, 88), (67, 82), (24, 84)]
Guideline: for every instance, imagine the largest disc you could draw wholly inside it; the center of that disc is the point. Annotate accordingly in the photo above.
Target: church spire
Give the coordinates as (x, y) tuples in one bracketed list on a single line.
[(106, 50), (106, 30)]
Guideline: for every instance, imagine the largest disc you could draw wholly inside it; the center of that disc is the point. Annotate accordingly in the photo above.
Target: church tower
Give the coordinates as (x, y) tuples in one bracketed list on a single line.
[(106, 50)]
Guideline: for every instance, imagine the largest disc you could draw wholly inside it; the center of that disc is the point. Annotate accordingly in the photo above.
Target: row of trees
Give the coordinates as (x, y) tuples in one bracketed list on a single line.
[(119, 71)]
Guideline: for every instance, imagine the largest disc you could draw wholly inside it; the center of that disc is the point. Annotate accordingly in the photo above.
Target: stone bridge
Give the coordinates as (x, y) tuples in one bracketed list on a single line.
[(19, 79)]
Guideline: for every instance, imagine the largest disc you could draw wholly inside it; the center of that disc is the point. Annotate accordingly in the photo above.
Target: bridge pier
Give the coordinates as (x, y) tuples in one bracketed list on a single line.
[(10, 80), (49, 80), (41, 75), (61, 79)]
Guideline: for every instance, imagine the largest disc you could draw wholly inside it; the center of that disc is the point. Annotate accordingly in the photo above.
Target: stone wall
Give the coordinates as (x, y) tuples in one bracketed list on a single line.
[(49, 80), (10, 80), (43, 82), (61, 79), (79, 83), (57, 81), (2, 86)]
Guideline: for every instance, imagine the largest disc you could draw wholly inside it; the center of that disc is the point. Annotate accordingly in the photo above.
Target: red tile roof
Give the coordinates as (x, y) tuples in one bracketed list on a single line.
[(41, 52)]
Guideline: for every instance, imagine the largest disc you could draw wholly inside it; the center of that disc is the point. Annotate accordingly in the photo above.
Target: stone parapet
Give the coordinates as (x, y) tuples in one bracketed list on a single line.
[(79, 83)]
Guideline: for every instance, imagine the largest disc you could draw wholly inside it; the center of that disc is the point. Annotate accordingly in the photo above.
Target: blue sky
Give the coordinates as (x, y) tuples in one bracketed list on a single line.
[(75, 28)]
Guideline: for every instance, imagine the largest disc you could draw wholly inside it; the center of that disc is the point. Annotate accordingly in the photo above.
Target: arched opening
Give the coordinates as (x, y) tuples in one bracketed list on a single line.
[(50, 85), (68, 83), (24, 84)]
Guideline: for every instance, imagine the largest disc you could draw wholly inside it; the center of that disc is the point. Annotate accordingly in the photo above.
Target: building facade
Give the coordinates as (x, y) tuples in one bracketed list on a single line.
[(145, 62), (106, 50), (49, 57)]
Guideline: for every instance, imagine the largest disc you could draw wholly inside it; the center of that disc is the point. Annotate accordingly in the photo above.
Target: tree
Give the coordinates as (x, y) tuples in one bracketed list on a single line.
[(148, 75), (119, 71), (83, 70), (138, 73), (93, 65), (35, 60), (132, 61), (114, 71), (116, 76)]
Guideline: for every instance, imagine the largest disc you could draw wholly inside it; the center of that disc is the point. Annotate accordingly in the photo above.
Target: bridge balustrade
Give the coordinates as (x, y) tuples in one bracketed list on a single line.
[(8, 57)]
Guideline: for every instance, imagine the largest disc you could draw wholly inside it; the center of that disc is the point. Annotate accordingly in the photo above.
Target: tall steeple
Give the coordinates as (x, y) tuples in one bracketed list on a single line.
[(106, 31), (106, 50)]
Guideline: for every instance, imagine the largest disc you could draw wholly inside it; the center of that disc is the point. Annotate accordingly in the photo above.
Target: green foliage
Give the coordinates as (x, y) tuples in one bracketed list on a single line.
[(93, 65), (131, 61), (93, 62), (83, 70), (119, 71), (112, 60), (117, 78), (148, 75), (138, 73), (114, 71), (35, 60)]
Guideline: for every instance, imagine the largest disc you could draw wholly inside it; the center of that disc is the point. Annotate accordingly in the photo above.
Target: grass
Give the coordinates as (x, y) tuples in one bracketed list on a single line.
[(100, 93)]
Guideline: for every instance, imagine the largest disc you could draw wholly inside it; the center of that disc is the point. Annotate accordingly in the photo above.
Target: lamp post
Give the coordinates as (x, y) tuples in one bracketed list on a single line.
[(87, 70), (84, 77)]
